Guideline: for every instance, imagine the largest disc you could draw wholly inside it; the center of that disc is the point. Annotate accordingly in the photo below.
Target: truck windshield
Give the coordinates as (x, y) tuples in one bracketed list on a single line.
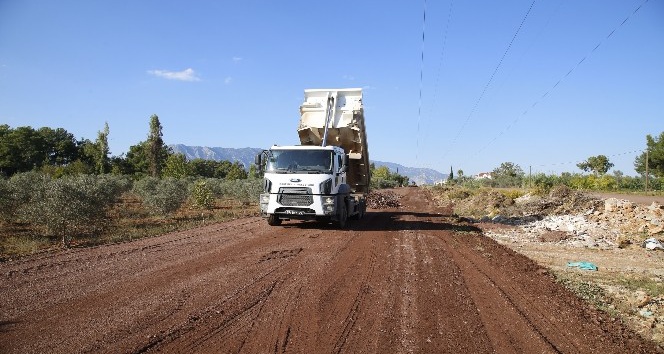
[(300, 161)]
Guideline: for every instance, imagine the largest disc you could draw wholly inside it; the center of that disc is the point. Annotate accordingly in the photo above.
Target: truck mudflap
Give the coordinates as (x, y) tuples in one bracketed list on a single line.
[(359, 207)]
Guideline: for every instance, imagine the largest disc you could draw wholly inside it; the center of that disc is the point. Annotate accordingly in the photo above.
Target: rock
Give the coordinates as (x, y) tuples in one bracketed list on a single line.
[(623, 241), (610, 205), (656, 207), (553, 236), (644, 301), (655, 230)]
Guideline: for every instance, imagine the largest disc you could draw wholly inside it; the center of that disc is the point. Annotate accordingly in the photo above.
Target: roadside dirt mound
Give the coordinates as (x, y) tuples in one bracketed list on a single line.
[(560, 201), (485, 202), (514, 206)]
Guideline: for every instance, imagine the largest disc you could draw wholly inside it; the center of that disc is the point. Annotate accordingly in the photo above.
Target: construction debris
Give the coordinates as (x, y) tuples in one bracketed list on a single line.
[(383, 200)]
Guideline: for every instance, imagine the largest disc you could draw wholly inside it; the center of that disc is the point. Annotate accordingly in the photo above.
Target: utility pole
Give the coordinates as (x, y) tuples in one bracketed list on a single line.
[(646, 170), (530, 176)]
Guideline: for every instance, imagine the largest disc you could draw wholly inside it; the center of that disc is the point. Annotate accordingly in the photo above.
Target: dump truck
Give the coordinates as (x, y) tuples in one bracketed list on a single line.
[(326, 177)]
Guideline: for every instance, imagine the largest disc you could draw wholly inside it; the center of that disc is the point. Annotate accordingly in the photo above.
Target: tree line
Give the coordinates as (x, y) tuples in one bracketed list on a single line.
[(63, 187), (58, 153), (649, 165), (382, 177)]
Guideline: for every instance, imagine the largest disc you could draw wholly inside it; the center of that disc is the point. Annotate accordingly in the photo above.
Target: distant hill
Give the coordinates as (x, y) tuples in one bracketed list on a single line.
[(418, 174), (246, 157)]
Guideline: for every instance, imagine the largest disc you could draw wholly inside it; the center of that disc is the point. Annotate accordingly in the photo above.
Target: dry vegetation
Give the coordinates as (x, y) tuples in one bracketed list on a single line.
[(127, 220)]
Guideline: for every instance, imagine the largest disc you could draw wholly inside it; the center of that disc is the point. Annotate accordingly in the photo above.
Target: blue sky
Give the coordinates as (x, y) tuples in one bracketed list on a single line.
[(495, 87)]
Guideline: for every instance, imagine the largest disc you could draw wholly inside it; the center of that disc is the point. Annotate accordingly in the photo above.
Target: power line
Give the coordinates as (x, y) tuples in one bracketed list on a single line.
[(442, 55), (419, 108), (500, 62), (577, 161), (546, 94)]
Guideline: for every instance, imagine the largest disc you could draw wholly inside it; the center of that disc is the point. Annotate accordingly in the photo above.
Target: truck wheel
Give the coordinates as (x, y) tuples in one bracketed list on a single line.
[(362, 208), (343, 216), (273, 220)]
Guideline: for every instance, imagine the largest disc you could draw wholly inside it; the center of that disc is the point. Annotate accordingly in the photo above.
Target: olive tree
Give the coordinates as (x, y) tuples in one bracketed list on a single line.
[(508, 174), (162, 196), (654, 153), (599, 165)]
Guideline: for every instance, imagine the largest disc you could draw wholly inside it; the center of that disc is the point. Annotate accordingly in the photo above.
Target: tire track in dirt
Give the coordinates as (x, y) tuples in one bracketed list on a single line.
[(409, 313), (539, 313), (60, 274), (497, 307), (228, 319), (447, 320), (159, 285), (237, 328)]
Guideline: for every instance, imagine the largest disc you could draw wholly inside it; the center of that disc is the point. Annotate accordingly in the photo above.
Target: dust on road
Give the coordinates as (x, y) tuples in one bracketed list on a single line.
[(405, 280)]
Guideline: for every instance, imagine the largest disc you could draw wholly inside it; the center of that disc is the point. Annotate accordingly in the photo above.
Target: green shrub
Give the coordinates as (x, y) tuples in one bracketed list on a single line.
[(162, 196), (7, 203), (27, 190), (64, 207), (202, 195), (605, 183), (382, 183), (543, 183), (113, 186), (459, 193), (245, 190), (512, 194)]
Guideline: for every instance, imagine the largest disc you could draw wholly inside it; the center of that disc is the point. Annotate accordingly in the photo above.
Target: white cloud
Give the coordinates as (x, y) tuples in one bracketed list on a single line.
[(228, 80), (237, 59), (185, 75)]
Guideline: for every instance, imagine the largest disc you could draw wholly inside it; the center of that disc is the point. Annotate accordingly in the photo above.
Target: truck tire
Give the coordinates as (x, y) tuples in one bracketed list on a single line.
[(273, 220), (363, 209), (343, 216)]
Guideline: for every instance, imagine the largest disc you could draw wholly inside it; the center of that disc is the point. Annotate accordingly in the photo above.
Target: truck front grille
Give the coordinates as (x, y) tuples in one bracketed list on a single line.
[(295, 196)]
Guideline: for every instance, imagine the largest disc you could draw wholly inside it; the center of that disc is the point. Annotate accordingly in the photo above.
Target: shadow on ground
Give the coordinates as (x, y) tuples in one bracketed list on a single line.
[(392, 221)]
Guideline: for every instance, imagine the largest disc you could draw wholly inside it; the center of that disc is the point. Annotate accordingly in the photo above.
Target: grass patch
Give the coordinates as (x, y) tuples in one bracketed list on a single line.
[(586, 290), (651, 287), (23, 245)]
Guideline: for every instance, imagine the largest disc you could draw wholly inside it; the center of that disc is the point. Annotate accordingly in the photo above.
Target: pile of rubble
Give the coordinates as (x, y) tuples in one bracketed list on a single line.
[(577, 219), (383, 200), (634, 222), (570, 230)]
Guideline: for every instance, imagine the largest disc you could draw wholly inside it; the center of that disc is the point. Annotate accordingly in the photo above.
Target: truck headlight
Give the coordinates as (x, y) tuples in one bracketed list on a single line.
[(265, 198), (328, 204)]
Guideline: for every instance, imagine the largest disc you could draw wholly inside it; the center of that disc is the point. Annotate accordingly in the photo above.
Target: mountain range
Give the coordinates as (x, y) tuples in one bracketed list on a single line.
[(246, 157)]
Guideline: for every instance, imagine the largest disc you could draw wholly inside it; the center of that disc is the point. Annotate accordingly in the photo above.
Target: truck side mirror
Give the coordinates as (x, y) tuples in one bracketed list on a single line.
[(258, 162), (344, 167)]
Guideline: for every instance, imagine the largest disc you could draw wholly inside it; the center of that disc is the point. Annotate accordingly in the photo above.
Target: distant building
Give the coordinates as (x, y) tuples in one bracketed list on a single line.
[(483, 175)]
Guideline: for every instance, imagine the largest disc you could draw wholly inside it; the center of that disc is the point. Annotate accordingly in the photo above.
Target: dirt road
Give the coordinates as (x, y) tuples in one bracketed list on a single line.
[(408, 280)]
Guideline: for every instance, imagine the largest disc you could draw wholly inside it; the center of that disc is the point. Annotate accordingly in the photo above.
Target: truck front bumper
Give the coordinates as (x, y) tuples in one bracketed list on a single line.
[(322, 205)]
